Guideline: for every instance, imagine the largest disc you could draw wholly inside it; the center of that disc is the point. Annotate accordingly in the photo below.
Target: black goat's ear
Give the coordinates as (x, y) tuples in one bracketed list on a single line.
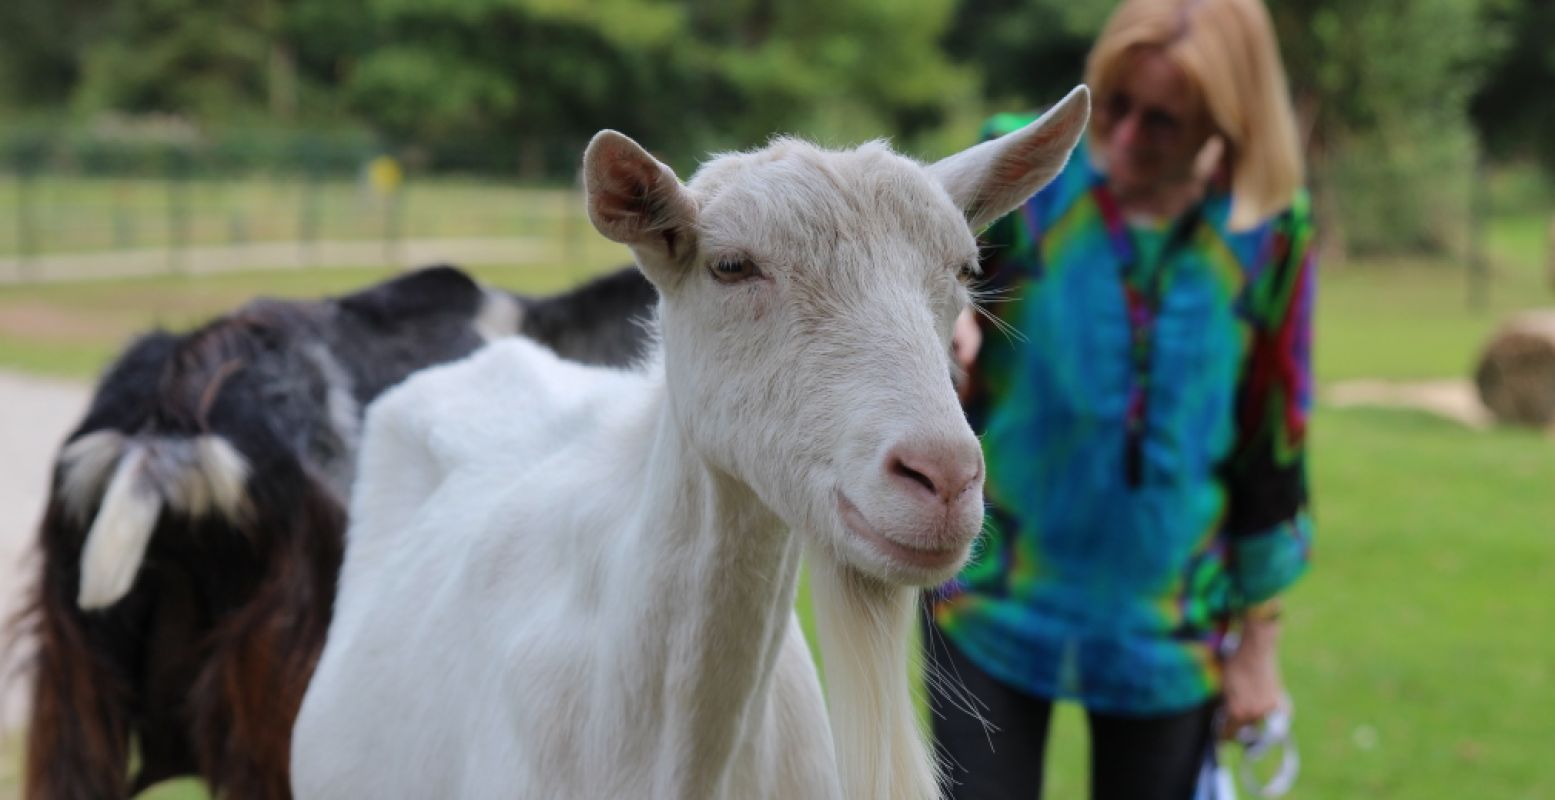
[(636, 200), (431, 290)]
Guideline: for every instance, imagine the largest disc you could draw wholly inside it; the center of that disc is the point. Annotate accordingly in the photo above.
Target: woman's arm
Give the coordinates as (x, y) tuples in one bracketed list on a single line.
[(1268, 524)]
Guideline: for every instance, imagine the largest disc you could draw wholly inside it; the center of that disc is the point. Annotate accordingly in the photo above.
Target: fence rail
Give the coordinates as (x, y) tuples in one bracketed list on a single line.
[(71, 226), (71, 209)]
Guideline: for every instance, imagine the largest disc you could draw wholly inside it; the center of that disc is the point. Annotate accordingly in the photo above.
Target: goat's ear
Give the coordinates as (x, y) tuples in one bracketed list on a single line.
[(636, 200), (993, 178)]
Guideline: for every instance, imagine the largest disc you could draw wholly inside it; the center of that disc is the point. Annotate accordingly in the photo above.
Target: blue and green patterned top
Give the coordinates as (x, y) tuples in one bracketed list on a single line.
[(1144, 426)]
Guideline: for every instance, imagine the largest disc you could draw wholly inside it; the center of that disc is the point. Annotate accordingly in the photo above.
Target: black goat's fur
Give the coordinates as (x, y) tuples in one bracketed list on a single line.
[(200, 668)]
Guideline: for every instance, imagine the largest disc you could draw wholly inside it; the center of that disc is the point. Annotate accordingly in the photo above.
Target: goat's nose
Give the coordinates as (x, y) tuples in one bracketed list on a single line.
[(942, 471)]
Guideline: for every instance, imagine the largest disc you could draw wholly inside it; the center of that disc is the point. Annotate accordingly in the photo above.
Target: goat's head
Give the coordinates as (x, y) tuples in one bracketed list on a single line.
[(808, 300)]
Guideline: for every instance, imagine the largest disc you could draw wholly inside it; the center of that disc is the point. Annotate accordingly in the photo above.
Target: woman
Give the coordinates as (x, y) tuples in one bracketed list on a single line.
[(1143, 421)]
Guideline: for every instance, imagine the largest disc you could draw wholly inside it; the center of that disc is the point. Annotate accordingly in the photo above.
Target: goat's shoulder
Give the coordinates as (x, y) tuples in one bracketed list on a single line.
[(509, 401), (467, 499), (463, 460)]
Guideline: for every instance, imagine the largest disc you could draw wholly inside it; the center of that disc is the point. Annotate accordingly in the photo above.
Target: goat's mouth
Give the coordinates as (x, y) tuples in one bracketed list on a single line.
[(926, 558)]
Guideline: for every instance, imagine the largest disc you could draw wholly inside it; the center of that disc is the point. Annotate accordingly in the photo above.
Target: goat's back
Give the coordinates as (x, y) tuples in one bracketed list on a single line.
[(485, 506)]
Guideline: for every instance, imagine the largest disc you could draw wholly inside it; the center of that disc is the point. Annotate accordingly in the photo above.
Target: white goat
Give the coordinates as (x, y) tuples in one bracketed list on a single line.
[(571, 582)]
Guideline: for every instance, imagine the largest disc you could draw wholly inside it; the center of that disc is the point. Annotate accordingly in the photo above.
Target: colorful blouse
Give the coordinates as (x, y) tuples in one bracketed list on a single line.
[(1144, 424)]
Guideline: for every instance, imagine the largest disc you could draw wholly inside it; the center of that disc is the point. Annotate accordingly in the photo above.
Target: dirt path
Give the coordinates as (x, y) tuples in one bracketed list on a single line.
[(38, 414), (202, 260), (1456, 400)]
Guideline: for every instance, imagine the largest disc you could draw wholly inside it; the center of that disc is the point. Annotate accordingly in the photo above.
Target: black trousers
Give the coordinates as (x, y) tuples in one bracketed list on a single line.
[(1132, 758)]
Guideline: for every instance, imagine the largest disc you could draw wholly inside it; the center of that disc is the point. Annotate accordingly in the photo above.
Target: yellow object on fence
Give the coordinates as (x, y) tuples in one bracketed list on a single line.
[(385, 175)]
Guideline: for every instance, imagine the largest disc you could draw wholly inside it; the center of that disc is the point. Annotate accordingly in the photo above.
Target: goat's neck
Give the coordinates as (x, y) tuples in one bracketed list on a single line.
[(715, 573)]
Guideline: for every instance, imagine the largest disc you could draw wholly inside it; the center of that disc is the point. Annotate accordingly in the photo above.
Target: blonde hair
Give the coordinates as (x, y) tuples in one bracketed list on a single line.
[(1229, 52)]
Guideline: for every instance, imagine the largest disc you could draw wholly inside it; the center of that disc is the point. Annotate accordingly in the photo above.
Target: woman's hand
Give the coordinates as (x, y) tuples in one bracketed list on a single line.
[(966, 339), (1252, 676)]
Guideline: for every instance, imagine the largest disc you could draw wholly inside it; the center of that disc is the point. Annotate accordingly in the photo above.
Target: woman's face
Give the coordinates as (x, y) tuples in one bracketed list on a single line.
[(1152, 126)]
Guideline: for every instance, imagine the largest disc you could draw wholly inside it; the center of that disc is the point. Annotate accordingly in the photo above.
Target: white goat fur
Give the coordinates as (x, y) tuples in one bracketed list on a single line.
[(571, 582)]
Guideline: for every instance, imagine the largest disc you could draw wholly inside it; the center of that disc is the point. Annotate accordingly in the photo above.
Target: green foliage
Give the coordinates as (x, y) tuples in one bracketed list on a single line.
[(521, 82), (413, 89), (1405, 187), (206, 58), (1374, 64), (839, 71), (42, 44), (685, 78), (513, 74), (1513, 109), (1383, 88), (1029, 52)]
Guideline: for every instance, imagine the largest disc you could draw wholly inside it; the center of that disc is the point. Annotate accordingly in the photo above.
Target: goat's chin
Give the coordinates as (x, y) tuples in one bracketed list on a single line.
[(906, 574), (871, 552)]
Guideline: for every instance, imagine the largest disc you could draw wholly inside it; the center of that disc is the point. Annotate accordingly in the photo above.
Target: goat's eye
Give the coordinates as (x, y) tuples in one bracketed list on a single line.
[(734, 270)]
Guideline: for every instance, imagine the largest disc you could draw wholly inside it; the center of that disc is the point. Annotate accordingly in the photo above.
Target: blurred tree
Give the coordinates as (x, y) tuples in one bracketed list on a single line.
[(1382, 89), (1029, 52), (203, 59), (324, 40), (839, 70), (685, 77), (42, 45), (516, 75), (1513, 108), (206, 58)]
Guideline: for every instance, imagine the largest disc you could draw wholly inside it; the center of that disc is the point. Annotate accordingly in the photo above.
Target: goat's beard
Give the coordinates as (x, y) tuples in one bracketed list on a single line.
[(865, 631)]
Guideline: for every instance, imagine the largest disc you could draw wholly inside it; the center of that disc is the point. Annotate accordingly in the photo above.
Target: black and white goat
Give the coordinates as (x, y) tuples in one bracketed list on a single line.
[(194, 530)]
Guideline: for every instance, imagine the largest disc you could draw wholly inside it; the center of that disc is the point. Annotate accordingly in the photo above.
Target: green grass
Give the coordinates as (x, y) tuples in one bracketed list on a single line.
[(1409, 319), (1427, 616)]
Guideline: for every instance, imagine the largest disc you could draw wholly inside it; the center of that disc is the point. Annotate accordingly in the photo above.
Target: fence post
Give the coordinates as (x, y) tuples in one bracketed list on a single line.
[(237, 226), (394, 223), (308, 209), (123, 228), (387, 180), (572, 200), (1479, 210), (28, 245), (26, 224), (178, 211)]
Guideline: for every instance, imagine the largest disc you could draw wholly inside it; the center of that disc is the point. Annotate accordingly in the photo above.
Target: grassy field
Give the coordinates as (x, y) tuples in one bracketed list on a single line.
[(1419, 650), (1406, 319), (74, 329)]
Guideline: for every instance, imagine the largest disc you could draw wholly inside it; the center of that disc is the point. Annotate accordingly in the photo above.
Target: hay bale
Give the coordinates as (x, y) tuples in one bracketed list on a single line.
[(1516, 373)]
